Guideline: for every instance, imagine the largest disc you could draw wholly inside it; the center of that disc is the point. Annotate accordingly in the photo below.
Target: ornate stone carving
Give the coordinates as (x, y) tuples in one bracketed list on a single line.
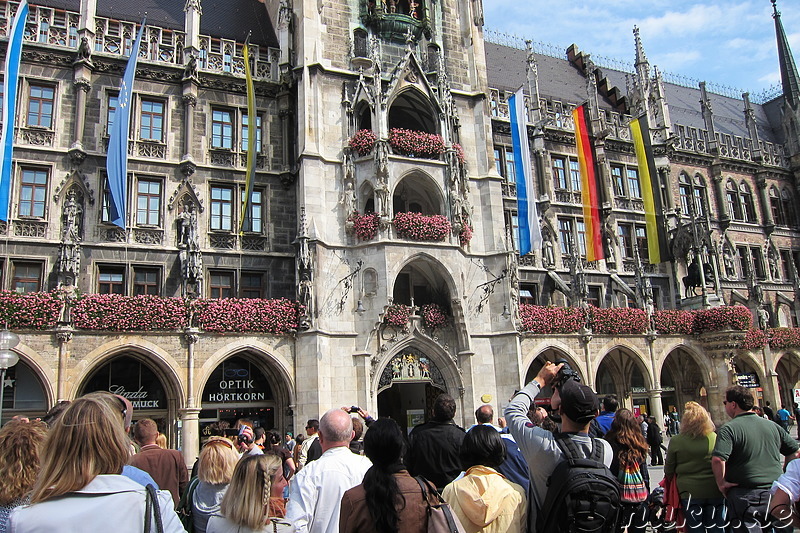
[(30, 228), (224, 241), (37, 137), (148, 236)]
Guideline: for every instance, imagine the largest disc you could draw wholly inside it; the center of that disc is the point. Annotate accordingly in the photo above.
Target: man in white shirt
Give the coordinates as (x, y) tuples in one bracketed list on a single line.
[(315, 493)]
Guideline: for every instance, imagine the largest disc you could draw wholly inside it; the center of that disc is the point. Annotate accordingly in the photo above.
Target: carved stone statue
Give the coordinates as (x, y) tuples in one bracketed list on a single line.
[(548, 254), (84, 50), (382, 158), (190, 69), (349, 200), (72, 217), (763, 318), (187, 227), (382, 199), (729, 260), (772, 259)]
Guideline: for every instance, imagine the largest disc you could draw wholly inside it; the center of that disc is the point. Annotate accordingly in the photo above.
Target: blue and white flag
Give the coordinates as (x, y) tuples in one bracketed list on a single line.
[(530, 234), (117, 160), (10, 79)]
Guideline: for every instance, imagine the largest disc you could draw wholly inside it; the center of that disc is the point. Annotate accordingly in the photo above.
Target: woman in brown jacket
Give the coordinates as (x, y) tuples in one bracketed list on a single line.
[(389, 500)]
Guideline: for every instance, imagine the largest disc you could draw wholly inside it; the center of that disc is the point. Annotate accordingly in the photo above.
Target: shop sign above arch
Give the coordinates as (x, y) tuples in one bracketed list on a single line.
[(411, 366)]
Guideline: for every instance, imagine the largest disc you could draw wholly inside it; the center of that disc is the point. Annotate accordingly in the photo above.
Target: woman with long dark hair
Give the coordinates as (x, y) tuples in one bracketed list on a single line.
[(389, 500), (484, 500), (630, 466)]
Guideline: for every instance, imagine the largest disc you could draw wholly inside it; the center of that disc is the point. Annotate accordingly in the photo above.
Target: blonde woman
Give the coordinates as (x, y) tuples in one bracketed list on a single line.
[(215, 467), (79, 487), (689, 457), (245, 507), (20, 448)]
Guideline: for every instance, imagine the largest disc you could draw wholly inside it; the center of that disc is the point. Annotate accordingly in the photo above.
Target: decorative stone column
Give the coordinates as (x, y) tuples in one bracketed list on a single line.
[(586, 338), (190, 434), (190, 415), (721, 347), (64, 335), (656, 409)]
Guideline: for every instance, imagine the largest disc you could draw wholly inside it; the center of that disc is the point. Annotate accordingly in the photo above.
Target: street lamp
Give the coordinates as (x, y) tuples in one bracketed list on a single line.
[(8, 359)]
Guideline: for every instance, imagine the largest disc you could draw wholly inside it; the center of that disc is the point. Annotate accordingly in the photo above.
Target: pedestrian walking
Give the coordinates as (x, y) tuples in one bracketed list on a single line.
[(629, 464)]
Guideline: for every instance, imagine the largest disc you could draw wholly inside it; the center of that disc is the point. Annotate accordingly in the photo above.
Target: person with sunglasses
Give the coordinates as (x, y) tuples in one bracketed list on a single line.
[(215, 467)]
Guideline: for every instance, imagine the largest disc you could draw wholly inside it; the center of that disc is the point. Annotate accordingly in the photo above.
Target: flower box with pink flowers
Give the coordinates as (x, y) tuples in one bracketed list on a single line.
[(419, 227), (416, 143)]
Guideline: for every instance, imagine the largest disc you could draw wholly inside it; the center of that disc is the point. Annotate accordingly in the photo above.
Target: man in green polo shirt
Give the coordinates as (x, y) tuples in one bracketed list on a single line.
[(746, 460)]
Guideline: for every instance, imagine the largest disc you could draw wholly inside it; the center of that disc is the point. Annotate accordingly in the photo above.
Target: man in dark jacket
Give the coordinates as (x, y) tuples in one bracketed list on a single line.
[(654, 439), (434, 446)]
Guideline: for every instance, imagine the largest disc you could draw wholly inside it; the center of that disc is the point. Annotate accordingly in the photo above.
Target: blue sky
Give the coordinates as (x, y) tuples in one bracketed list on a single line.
[(725, 42)]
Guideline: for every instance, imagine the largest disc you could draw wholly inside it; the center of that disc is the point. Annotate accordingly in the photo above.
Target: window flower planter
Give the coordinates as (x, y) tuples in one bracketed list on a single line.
[(363, 142), (418, 227), (416, 143), (365, 226), (397, 316), (433, 316)]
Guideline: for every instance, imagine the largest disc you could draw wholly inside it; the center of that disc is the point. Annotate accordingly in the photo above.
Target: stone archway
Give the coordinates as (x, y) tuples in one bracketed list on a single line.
[(152, 391), (683, 379), (788, 370), (407, 387), (624, 373), (555, 355), (246, 383)]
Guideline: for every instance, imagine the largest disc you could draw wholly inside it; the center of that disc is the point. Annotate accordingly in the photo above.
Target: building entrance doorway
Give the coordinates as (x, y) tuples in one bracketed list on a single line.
[(131, 377), (237, 389), (409, 384)]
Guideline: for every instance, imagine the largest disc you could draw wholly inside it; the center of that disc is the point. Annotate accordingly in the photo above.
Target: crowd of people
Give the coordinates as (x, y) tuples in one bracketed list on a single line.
[(582, 466)]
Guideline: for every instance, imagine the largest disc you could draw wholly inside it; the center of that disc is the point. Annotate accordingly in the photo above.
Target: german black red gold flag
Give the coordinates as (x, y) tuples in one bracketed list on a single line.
[(657, 247), (591, 193)]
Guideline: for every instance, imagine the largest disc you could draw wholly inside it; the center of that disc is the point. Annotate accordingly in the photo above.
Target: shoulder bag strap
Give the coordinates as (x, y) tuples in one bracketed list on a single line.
[(152, 496), (185, 502), (422, 485), (148, 511)]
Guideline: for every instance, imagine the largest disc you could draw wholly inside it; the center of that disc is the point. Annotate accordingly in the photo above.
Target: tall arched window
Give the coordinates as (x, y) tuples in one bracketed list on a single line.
[(700, 197), (787, 206), (776, 207), (746, 198), (733, 200), (685, 192)]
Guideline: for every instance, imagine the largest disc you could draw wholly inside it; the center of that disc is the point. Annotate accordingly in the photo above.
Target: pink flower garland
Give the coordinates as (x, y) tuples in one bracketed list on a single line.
[(365, 226), (434, 316), (38, 310), (363, 141), (417, 227), (397, 315), (416, 143)]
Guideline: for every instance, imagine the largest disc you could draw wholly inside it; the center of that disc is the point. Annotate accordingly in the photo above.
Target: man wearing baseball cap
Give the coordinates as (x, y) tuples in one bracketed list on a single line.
[(577, 404)]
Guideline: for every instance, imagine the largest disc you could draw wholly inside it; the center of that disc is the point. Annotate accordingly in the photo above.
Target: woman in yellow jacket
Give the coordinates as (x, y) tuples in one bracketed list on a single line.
[(483, 499)]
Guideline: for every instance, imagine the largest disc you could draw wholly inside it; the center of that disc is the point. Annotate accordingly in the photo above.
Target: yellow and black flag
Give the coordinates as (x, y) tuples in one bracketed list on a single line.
[(657, 244)]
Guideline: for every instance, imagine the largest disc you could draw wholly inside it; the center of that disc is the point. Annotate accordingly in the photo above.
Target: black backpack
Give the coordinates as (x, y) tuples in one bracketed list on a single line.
[(582, 493)]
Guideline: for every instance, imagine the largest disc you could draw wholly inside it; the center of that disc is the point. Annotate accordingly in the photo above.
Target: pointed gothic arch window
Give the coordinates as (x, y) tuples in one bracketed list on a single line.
[(746, 199), (685, 192), (775, 207), (412, 110), (700, 196), (733, 201), (363, 117), (787, 206)]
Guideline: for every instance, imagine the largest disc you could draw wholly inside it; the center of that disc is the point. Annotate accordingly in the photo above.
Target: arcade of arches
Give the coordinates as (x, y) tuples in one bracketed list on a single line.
[(248, 383)]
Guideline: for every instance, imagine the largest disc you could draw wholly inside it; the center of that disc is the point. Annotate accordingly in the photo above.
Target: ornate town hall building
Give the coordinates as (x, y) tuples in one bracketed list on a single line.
[(377, 261)]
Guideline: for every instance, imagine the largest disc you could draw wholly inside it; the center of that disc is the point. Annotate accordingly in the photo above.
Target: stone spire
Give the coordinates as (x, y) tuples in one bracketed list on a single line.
[(789, 75), (642, 65), (641, 81)]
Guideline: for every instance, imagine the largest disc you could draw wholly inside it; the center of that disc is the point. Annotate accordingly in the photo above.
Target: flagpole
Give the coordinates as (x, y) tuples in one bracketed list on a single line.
[(252, 124), (10, 80)]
